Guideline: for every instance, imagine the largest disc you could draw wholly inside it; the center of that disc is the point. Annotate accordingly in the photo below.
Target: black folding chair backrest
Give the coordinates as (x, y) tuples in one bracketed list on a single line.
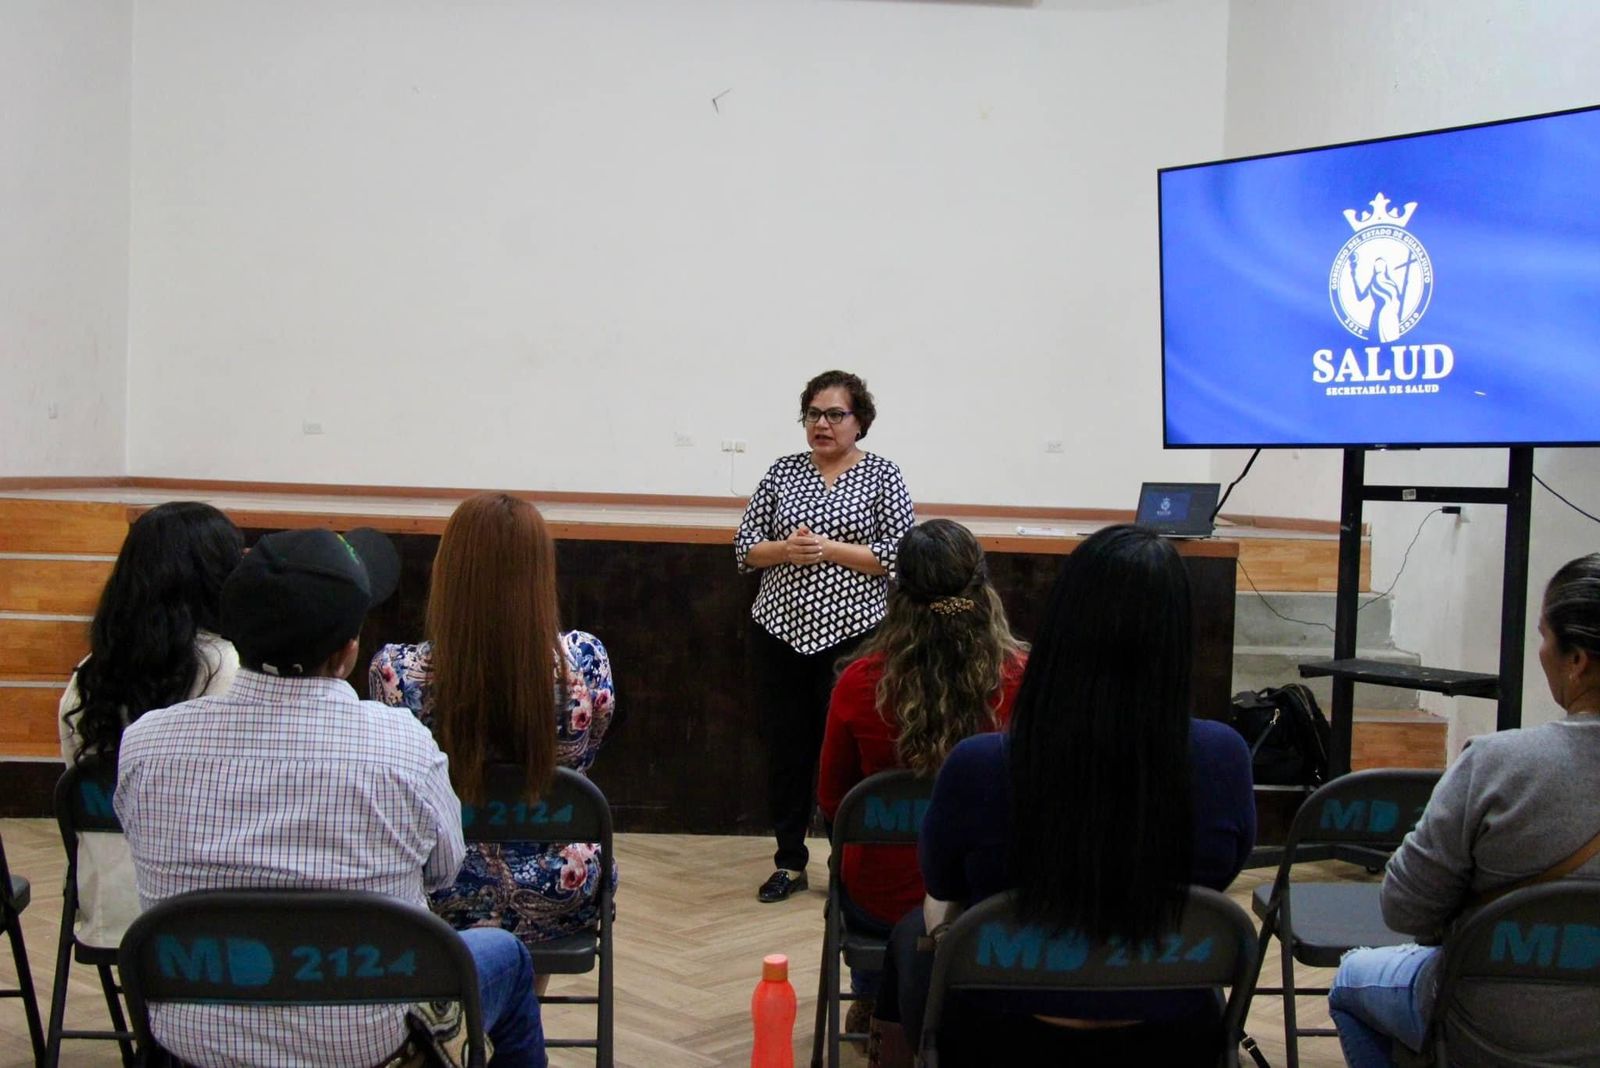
[(989, 949), (572, 809), (882, 809), (11, 902), (83, 802), (1372, 809), (296, 947), (1545, 935), (15, 895), (83, 798)]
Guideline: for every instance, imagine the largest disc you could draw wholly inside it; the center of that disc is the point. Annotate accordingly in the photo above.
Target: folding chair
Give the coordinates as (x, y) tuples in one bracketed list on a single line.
[(295, 947), (1367, 813), (15, 893), (83, 803), (1545, 935), (988, 949), (572, 810), (882, 809)]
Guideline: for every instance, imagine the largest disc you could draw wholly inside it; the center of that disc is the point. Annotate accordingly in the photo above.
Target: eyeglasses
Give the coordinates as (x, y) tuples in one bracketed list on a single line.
[(834, 416)]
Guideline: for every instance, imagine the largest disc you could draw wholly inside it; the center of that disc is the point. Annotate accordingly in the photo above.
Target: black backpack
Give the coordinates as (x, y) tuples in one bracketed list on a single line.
[(1287, 733)]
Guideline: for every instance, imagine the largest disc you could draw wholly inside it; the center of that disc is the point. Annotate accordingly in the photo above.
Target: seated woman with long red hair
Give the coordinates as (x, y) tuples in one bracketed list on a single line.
[(497, 682)]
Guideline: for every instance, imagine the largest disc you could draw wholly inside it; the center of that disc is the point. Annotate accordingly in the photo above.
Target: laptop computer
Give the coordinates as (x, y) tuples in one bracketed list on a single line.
[(1178, 509)]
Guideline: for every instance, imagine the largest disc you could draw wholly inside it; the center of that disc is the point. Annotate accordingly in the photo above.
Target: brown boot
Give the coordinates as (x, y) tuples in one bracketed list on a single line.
[(887, 1046)]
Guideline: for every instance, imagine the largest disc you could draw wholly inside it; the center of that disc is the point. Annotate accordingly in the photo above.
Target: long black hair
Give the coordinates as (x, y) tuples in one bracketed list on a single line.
[(165, 587), (1101, 838)]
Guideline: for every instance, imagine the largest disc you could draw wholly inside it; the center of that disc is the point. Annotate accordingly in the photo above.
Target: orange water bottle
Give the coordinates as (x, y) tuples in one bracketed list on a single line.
[(772, 1010)]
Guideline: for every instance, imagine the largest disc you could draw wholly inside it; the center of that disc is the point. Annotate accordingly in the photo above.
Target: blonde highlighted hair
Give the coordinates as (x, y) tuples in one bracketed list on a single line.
[(945, 644)]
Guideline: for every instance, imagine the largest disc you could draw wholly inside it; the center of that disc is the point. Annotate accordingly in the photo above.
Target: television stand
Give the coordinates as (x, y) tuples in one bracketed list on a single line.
[(1346, 669)]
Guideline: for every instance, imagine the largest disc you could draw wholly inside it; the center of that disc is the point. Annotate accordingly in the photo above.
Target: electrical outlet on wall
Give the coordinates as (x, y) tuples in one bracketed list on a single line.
[(308, 427), (683, 441)]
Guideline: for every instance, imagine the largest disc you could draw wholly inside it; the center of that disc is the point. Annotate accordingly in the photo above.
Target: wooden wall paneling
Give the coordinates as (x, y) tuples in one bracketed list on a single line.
[(28, 720), (684, 753), (58, 587), (29, 788), (33, 648), (1024, 581), (48, 526)]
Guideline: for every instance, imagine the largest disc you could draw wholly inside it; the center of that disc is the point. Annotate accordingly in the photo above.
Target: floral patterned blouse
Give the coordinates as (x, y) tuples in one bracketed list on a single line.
[(537, 892)]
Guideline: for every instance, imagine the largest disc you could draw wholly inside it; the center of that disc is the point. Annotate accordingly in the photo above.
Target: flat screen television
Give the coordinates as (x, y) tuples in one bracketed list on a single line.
[(1436, 289)]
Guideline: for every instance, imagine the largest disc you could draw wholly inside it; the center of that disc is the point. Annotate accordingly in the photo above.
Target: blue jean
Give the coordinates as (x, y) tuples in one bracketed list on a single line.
[(862, 981), (1377, 998), (505, 987)]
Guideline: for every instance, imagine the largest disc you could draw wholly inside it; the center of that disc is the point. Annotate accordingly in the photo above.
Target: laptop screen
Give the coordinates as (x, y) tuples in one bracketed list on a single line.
[(1178, 508)]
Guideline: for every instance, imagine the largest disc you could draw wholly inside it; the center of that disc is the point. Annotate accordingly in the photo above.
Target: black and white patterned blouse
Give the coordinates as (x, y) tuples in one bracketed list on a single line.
[(818, 605)]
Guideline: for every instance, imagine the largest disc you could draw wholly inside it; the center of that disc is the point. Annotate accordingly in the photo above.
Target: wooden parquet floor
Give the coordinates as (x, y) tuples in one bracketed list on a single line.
[(690, 938)]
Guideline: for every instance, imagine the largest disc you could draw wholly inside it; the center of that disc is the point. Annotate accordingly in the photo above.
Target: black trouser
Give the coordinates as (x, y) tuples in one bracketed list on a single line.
[(793, 689), (982, 1034)]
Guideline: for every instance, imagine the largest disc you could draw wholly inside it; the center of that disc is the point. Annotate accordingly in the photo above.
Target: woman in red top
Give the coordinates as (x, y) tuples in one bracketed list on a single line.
[(941, 666)]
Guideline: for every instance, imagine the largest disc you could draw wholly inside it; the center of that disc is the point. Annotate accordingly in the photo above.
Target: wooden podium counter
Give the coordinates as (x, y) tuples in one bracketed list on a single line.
[(654, 579)]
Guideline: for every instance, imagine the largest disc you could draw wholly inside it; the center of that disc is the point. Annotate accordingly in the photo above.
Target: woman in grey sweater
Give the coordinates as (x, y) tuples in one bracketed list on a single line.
[(1514, 805)]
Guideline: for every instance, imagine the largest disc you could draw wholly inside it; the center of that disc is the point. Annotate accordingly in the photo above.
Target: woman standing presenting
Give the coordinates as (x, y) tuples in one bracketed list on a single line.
[(822, 526)]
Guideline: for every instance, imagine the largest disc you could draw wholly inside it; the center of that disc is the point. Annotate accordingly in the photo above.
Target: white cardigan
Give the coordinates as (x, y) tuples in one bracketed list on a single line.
[(108, 897)]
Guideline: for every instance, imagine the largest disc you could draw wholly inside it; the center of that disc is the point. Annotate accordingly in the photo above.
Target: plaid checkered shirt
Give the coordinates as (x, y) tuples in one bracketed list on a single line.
[(285, 782)]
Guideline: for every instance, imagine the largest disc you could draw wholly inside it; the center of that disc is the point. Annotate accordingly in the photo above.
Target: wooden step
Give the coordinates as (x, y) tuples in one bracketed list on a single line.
[(1295, 565), (45, 526), (28, 720), (57, 587)]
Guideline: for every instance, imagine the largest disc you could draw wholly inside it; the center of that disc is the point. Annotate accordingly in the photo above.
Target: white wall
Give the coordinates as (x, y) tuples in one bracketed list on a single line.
[(515, 244), (1302, 73), (64, 85)]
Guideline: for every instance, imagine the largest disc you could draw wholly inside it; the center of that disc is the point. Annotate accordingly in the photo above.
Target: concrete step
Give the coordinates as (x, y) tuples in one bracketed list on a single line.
[(1309, 620), (1258, 666)]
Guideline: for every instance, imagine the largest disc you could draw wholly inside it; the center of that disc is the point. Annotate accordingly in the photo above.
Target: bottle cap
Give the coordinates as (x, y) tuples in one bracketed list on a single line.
[(775, 969)]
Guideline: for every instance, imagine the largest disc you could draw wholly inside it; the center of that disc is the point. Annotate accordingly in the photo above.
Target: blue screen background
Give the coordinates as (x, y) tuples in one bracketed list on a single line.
[(1510, 218), (1177, 508)]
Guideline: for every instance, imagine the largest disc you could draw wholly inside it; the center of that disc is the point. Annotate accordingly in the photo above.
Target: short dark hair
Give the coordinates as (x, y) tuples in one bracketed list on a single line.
[(860, 397), (1572, 605)]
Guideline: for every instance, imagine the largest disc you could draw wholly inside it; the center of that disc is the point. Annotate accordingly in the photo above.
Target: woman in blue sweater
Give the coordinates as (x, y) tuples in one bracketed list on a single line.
[(1103, 803)]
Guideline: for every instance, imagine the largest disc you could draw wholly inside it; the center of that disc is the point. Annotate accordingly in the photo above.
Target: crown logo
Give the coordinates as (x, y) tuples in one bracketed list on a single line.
[(1380, 215)]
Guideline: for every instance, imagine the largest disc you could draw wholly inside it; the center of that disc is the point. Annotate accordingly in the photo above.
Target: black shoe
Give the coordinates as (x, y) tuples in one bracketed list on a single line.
[(780, 884)]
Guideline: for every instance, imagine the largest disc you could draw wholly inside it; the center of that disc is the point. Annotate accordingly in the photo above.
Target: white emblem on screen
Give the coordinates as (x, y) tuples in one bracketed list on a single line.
[(1382, 278)]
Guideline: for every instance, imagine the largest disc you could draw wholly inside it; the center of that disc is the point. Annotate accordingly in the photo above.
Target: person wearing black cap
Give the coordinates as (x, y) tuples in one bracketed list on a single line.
[(289, 780)]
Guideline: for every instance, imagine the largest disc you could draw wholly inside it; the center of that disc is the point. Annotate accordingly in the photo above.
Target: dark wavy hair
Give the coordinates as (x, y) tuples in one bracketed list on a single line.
[(945, 644), (860, 397), (1572, 605), (165, 587), (1101, 838)]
